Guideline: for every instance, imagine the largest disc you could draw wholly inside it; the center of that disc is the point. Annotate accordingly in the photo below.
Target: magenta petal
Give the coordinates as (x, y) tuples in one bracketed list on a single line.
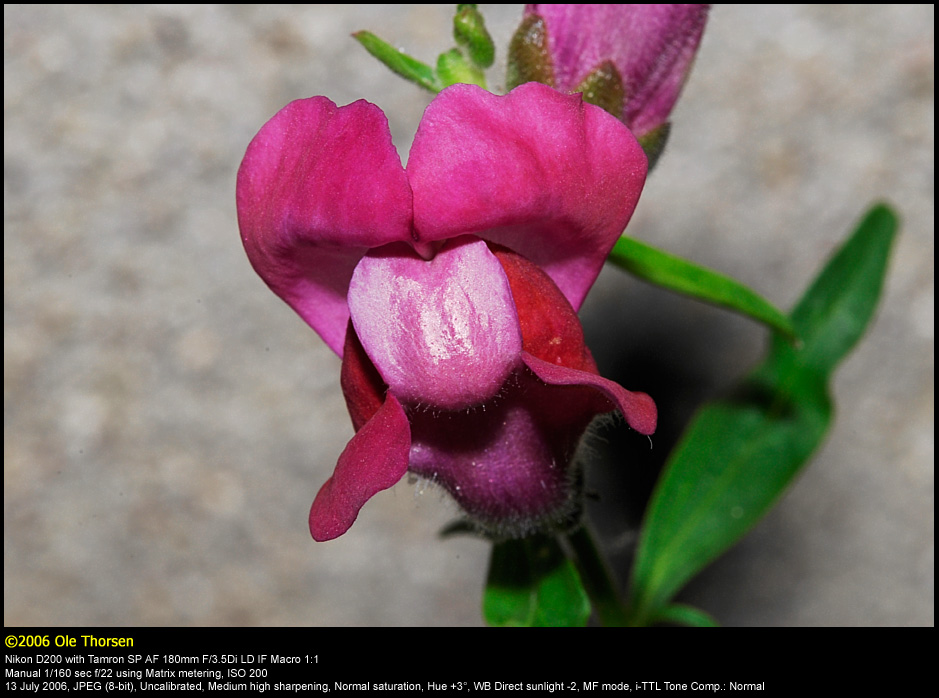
[(542, 173), (319, 185), (638, 408), (443, 332), (375, 459), (652, 46)]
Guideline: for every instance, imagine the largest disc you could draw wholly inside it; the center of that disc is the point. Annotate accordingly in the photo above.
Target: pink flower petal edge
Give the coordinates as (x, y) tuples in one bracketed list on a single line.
[(318, 187)]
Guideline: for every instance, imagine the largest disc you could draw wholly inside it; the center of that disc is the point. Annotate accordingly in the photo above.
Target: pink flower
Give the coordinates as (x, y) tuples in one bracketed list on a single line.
[(449, 287), (651, 48)]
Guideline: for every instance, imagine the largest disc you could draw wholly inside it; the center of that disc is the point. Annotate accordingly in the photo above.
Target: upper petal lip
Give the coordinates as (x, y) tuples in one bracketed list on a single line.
[(537, 171), (318, 187)]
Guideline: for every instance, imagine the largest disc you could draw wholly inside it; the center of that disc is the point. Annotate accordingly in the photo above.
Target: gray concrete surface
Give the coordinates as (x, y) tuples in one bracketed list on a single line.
[(167, 420)]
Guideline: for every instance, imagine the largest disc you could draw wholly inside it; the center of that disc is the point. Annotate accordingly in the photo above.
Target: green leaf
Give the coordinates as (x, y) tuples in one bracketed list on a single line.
[(681, 614), (740, 453), (532, 583), (399, 62), (833, 314), (676, 274)]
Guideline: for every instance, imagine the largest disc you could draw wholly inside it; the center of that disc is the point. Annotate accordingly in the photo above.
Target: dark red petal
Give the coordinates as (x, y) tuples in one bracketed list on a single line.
[(638, 408), (553, 342), (362, 385), (375, 459), (551, 329)]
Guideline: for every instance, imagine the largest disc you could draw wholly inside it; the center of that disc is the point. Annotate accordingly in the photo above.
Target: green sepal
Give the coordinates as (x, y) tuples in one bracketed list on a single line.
[(529, 58), (598, 580), (460, 527), (532, 583), (603, 87), (399, 62), (471, 35), (676, 274), (453, 68), (653, 142)]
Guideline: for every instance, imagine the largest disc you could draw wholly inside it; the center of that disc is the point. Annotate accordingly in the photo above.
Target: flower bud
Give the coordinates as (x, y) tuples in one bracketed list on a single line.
[(631, 60)]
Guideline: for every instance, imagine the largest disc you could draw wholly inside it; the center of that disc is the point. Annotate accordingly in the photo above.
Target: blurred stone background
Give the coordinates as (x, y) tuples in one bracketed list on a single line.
[(167, 420)]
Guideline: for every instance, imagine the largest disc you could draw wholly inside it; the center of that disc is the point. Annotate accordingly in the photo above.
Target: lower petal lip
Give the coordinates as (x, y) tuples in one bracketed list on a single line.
[(508, 460), (506, 465), (443, 333)]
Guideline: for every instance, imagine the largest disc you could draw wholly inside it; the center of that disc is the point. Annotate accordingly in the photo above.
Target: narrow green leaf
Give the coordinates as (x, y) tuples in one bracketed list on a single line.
[(835, 311), (531, 583), (731, 466), (404, 65), (676, 274), (682, 614), (739, 454)]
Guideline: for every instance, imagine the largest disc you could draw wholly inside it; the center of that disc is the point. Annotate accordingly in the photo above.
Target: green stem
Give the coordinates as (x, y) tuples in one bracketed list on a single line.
[(597, 579), (679, 275)]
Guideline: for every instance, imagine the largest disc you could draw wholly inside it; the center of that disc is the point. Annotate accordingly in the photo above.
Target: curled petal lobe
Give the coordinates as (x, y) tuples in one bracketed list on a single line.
[(539, 172), (319, 185), (554, 348), (375, 459), (638, 408), (442, 333)]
